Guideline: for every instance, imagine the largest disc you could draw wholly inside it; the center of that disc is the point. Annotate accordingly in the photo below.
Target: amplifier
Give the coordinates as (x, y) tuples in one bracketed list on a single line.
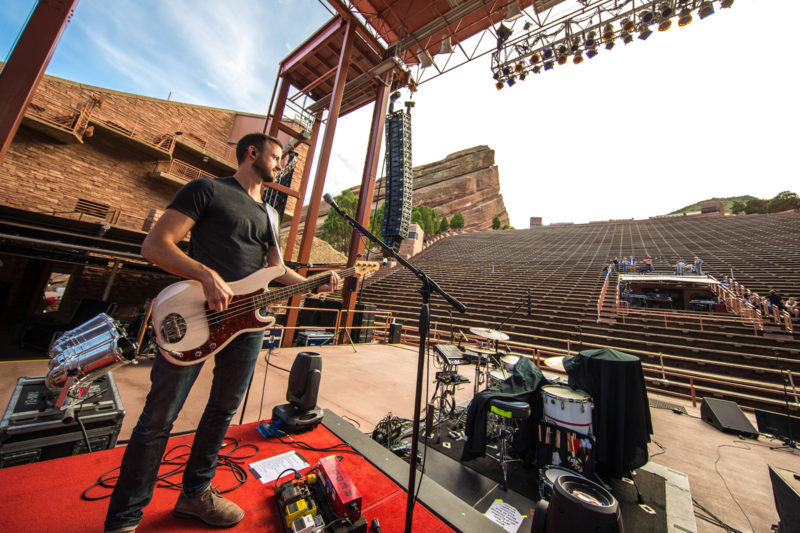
[(32, 430)]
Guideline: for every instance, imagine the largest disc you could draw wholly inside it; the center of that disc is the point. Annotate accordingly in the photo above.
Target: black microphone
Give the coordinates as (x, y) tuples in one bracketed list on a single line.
[(330, 201), (529, 303)]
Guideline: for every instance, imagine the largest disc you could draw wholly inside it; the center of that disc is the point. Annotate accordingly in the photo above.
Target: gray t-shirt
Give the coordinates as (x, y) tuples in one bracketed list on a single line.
[(232, 232)]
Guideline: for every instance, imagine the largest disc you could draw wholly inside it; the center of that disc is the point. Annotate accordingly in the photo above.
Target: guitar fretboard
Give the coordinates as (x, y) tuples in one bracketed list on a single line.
[(284, 293)]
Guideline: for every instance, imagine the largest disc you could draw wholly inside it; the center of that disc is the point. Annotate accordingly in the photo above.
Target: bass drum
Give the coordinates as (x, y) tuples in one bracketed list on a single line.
[(547, 479), (569, 408)]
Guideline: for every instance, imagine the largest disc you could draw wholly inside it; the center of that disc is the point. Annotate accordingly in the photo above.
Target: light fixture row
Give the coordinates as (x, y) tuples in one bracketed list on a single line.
[(585, 46)]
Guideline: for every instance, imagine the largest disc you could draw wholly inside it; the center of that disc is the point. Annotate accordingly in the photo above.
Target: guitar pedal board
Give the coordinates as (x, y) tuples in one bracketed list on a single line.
[(324, 500)]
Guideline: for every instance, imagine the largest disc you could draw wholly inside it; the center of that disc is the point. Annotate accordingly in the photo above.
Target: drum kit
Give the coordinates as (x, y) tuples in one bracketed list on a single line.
[(567, 408)]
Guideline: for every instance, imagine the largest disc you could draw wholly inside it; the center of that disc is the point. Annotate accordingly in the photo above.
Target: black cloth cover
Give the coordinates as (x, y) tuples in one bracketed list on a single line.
[(522, 386), (621, 415)]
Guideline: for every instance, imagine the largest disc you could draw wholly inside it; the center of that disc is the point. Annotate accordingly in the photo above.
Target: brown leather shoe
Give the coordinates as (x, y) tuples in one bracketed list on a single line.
[(125, 529), (209, 507)]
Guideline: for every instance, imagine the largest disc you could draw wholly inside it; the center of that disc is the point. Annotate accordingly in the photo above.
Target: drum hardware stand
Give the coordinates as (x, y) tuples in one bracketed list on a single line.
[(428, 286), (526, 300), (788, 443)]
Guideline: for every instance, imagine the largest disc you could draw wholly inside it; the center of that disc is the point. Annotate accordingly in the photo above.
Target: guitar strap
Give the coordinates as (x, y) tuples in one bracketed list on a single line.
[(274, 228)]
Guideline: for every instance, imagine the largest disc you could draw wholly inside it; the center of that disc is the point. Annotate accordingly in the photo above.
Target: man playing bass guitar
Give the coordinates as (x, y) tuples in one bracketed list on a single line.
[(234, 233)]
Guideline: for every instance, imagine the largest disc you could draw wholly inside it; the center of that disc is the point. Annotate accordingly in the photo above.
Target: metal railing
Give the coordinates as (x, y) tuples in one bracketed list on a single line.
[(181, 170), (216, 147), (656, 375), (380, 327), (74, 119)]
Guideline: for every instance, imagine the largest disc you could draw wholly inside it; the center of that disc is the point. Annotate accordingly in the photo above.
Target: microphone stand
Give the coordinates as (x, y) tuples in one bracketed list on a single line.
[(428, 286)]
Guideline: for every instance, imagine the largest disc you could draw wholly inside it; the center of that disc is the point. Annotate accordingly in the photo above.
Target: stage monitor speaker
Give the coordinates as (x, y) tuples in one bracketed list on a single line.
[(784, 427), (786, 491), (727, 416), (395, 332)]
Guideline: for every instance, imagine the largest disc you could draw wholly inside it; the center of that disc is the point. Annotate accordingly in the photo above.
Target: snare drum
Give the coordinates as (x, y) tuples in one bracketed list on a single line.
[(548, 476), (497, 376), (568, 408), (509, 362)]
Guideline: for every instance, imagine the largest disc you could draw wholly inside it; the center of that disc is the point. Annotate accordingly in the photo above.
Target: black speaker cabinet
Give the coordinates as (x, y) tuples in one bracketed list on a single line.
[(786, 491), (395, 331), (726, 416)]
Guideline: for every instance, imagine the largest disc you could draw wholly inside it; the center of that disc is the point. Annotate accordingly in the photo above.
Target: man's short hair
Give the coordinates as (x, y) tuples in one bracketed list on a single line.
[(257, 140)]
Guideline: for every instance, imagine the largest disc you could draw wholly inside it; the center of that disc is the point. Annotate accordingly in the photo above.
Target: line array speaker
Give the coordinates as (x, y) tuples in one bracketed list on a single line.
[(399, 179)]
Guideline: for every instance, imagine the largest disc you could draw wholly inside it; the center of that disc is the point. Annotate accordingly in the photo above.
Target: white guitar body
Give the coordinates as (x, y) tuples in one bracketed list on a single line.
[(187, 332)]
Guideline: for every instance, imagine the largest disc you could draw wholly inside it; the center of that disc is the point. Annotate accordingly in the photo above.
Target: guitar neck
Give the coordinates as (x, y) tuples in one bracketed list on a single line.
[(284, 293)]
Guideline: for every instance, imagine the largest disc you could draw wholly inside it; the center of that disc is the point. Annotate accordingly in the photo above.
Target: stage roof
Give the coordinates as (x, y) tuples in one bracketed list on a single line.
[(390, 35)]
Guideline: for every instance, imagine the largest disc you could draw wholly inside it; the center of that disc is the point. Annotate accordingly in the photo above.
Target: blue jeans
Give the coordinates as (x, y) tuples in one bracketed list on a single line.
[(171, 384)]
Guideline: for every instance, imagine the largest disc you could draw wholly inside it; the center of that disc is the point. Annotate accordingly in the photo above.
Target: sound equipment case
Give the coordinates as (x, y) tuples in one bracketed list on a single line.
[(314, 338), (32, 430)]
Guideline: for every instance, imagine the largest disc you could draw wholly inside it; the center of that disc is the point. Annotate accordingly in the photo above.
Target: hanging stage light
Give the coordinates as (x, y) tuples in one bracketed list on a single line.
[(627, 25), (590, 40), (666, 10), (627, 37), (518, 67), (548, 53), (499, 85), (664, 24), (535, 58), (644, 31), (511, 81), (726, 4), (646, 16), (523, 75), (591, 53), (506, 71), (608, 33), (685, 17), (577, 58), (496, 76), (548, 65), (609, 44), (536, 70), (706, 9), (576, 45), (562, 54)]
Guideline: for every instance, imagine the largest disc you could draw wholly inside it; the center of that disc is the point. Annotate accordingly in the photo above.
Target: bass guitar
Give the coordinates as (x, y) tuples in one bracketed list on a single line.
[(188, 332)]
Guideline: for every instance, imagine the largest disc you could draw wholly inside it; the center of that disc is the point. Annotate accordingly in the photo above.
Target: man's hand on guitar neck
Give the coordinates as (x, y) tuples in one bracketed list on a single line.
[(333, 284)]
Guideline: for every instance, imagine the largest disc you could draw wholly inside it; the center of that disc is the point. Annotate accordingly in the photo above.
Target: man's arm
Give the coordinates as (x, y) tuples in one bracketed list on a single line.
[(161, 248)]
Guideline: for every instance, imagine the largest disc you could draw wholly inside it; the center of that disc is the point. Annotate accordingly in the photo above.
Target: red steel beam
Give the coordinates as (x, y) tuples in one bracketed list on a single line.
[(366, 193), (322, 168), (298, 206), (25, 67), (276, 114)]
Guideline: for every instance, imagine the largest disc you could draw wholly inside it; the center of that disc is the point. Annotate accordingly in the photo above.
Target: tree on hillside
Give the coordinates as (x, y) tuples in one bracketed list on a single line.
[(783, 201), (737, 207), (335, 230), (427, 218), (755, 205), (496, 223), (457, 222), (444, 225), (376, 221)]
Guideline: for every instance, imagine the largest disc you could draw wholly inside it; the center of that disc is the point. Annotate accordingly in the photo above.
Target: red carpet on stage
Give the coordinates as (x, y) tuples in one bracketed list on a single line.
[(46, 496)]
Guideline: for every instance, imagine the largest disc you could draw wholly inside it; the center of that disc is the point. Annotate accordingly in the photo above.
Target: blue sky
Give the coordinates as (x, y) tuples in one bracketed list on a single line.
[(705, 110)]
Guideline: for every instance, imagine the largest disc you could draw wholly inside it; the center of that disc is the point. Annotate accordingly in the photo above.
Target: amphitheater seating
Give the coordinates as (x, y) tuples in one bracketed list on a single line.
[(491, 273)]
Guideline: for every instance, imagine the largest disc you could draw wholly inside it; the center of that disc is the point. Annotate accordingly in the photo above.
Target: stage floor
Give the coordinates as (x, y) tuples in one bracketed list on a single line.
[(364, 384)]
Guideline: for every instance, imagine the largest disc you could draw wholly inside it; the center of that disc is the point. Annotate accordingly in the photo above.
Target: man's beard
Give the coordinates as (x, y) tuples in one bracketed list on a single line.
[(263, 172)]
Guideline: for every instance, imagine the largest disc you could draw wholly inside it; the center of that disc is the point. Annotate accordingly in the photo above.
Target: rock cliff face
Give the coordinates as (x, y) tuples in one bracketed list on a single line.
[(466, 181)]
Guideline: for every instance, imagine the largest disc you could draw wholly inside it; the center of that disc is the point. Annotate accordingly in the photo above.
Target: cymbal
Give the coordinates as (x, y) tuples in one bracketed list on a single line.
[(489, 334), (555, 362), (476, 349)]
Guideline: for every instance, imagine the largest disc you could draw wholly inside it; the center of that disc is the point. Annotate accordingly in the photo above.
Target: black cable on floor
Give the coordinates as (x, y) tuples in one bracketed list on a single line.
[(233, 458)]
